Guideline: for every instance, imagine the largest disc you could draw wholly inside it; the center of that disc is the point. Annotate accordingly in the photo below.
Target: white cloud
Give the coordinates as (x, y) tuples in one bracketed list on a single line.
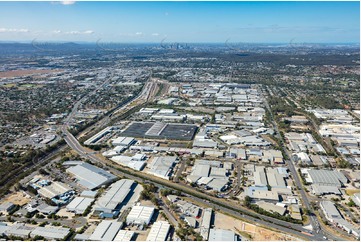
[(155, 34), (138, 33), (5, 30), (75, 32), (67, 2), (56, 31)]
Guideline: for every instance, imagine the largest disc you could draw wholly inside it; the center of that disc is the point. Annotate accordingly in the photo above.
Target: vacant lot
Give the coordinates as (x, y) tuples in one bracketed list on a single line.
[(18, 73)]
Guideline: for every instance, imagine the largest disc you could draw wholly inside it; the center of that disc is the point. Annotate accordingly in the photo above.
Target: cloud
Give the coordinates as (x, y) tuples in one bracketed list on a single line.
[(67, 2), (75, 32), (138, 33), (56, 31), (5, 30), (155, 34)]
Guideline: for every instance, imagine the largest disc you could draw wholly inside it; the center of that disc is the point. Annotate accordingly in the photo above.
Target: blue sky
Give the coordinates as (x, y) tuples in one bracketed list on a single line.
[(254, 22)]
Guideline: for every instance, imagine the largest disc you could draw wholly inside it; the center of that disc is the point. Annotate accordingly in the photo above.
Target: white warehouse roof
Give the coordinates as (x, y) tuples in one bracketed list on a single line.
[(221, 235), (79, 204), (90, 176), (114, 196), (106, 230), (159, 231), (51, 233), (140, 215)]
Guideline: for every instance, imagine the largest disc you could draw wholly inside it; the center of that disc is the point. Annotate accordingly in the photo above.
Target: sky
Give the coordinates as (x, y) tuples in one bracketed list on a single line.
[(181, 22)]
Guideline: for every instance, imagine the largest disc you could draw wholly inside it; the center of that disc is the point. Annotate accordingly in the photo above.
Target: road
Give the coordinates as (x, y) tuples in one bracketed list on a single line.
[(316, 224)]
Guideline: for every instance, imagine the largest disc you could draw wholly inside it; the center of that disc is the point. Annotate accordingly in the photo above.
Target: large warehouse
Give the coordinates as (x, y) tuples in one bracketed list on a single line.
[(106, 230), (222, 235), (159, 231), (89, 176), (108, 204), (79, 204), (158, 130), (140, 215), (162, 166), (326, 177)]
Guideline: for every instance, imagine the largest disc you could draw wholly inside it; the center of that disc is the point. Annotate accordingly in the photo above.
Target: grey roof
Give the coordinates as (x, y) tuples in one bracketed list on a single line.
[(79, 204), (201, 170), (327, 177), (91, 176), (221, 235), (218, 184), (50, 232), (114, 196), (106, 230), (21, 230), (91, 194), (162, 166), (320, 190)]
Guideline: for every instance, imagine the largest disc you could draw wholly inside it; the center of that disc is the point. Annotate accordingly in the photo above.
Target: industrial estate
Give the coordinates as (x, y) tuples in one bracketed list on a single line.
[(175, 142)]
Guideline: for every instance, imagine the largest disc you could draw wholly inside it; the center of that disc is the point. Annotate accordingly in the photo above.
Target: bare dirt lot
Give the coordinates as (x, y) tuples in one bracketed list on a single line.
[(17, 73), (18, 198), (251, 231)]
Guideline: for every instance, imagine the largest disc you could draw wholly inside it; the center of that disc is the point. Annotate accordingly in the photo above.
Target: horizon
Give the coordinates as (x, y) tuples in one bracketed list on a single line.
[(181, 22)]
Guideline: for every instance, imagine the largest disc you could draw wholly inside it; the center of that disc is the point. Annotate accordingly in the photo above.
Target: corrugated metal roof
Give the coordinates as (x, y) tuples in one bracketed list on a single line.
[(106, 230), (91, 176), (159, 231)]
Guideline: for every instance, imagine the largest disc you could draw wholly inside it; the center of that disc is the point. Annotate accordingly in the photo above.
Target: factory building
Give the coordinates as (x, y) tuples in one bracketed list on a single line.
[(222, 235), (326, 177), (50, 233), (162, 166), (55, 189), (108, 205), (159, 231), (90, 177), (79, 204), (140, 215), (106, 230), (124, 235), (206, 223)]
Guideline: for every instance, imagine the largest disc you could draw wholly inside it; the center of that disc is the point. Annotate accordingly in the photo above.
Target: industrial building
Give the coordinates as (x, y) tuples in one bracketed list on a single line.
[(140, 215), (206, 223), (326, 177), (94, 139), (135, 162), (123, 141), (124, 235), (79, 204), (54, 189), (109, 203), (19, 230), (51, 233), (106, 230), (159, 130), (334, 216), (159, 231), (222, 235), (90, 177), (162, 166)]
